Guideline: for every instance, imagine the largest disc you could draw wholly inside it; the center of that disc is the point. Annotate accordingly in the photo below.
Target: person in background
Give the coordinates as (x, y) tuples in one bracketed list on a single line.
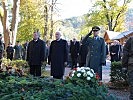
[(25, 45), (82, 55), (36, 54), (1, 49), (74, 52), (69, 55), (127, 63), (115, 50), (10, 51), (58, 56), (96, 57), (47, 51), (18, 51)]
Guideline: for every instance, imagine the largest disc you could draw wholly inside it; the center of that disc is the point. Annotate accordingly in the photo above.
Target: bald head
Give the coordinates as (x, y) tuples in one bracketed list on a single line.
[(57, 35)]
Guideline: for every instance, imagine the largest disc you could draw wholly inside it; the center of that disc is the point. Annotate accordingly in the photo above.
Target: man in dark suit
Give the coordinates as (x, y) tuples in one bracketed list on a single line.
[(74, 51), (36, 54), (82, 54), (58, 56), (9, 51)]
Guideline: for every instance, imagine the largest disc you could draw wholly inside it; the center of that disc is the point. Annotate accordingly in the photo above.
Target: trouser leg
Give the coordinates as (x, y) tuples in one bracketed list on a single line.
[(100, 72), (38, 70), (72, 63), (32, 70), (130, 81), (58, 77), (75, 62)]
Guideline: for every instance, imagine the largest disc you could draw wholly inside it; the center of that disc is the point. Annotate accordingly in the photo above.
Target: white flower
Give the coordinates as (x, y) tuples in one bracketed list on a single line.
[(91, 75), (78, 75), (82, 70), (88, 73), (74, 71), (78, 69), (82, 67), (87, 68), (92, 70), (84, 74), (72, 75), (88, 78)]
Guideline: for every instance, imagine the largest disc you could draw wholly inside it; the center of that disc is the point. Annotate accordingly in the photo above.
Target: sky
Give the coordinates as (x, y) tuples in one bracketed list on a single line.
[(70, 8)]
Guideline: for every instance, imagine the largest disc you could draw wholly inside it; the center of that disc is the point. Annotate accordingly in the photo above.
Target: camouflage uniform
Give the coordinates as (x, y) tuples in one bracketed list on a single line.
[(127, 62)]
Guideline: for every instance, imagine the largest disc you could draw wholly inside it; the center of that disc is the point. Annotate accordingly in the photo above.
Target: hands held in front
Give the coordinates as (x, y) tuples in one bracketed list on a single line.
[(65, 63)]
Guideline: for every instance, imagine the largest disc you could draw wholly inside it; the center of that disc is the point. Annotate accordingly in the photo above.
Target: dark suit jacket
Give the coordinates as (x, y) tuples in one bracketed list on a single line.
[(36, 52), (74, 49), (58, 55)]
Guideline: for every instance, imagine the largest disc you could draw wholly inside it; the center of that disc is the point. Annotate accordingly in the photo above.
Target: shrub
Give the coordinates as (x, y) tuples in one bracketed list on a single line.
[(118, 78), (43, 88), (15, 67), (29, 88), (14, 63)]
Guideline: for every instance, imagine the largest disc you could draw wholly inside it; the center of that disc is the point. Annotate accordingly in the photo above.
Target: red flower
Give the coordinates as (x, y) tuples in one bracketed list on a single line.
[(97, 76), (75, 69)]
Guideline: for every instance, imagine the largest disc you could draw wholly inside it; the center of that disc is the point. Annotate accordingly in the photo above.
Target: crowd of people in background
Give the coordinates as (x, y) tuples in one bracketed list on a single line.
[(86, 52), (77, 51), (91, 51)]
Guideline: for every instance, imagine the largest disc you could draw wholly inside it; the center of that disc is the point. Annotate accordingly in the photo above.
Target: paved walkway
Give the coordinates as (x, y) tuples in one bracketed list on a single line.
[(105, 72)]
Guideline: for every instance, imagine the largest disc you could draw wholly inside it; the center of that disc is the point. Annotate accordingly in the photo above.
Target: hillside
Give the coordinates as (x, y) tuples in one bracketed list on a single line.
[(71, 27)]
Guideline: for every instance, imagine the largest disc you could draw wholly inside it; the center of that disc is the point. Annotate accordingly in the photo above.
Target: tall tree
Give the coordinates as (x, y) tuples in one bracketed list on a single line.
[(31, 19), (15, 20), (108, 13), (10, 25), (5, 23), (53, 3)]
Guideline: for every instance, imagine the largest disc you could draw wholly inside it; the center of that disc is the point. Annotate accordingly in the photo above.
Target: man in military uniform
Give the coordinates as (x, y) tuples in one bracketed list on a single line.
[(96, 56), (127, 63)]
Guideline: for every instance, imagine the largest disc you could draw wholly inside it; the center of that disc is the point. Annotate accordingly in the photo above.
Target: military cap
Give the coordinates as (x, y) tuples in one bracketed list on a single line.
[(95, 28)]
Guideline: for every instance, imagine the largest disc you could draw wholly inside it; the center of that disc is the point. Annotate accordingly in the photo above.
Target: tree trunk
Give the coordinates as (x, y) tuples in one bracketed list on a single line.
[(6, 31), (45, 21), (15, 20), (52, 9)]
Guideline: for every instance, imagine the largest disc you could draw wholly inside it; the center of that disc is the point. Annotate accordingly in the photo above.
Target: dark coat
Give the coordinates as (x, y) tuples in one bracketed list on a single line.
[(58, 55), (96, 53), (24, 50), (36, 52), (82, 54), (107, 50), (18, 52), (127, 58), (10, 51), (74, 49), (1, 49), (114, 49)]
